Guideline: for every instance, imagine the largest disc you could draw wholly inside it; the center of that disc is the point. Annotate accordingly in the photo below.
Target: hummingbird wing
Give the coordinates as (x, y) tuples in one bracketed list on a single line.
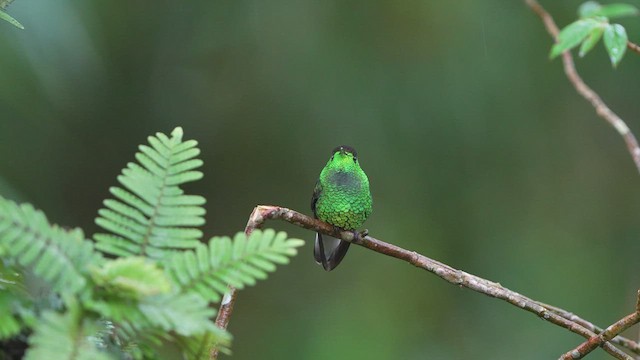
[(327, 251)]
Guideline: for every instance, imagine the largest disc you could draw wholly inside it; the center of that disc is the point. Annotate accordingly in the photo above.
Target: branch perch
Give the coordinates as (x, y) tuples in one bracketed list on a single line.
[(460, 278), (583, 89)]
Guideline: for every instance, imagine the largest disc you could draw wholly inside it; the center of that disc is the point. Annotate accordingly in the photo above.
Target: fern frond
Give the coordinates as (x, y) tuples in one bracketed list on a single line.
[(132, 277), (115, 340), (58, 256), (208, 270), (10, 325), (185, 314), (64, 337), (152, 215), (182, 314)]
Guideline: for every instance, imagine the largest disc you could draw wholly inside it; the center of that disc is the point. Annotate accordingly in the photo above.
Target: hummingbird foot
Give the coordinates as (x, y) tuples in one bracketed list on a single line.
[(357, 235)]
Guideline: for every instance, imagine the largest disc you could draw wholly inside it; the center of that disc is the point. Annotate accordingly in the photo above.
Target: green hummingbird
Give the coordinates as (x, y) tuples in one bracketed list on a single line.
[(341, 198)]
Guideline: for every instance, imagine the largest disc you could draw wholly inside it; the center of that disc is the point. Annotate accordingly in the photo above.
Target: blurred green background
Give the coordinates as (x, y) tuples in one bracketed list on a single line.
[(479, 152)]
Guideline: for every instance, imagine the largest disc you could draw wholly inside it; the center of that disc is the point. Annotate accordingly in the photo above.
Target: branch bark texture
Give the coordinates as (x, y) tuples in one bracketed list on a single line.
[(454, 276)]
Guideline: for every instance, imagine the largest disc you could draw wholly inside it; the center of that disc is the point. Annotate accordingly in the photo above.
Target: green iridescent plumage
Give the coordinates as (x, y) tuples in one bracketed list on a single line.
[(341, 198)]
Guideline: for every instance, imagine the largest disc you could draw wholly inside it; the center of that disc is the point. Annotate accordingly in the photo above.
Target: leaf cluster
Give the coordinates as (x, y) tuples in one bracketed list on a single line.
[(145, 284), (593, 24)]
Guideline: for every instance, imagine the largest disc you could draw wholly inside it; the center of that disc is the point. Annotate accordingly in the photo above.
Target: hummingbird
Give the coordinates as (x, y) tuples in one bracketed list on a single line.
[(341, 198)]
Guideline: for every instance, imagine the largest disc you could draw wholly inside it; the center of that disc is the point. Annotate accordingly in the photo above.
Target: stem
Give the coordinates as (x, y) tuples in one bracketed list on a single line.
[(229, 299), (633, 47), (611, 332), (619, 340)]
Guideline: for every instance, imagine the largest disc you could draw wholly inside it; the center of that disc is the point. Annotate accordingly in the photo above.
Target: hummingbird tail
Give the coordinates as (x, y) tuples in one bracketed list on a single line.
[(335, 251)]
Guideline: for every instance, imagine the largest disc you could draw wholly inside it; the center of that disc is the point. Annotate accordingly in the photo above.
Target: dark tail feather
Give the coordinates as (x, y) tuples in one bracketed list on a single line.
[(318, 251), (336, 251)]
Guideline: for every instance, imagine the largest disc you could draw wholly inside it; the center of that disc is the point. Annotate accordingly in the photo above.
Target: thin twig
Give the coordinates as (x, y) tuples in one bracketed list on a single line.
[(460, 278), (609, 333), (229, 299), (619, 340), (601, 108), (633, 47), (224, 314)]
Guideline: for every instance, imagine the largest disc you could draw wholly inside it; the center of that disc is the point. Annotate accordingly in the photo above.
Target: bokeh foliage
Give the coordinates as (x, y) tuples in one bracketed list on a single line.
[(479, 152)]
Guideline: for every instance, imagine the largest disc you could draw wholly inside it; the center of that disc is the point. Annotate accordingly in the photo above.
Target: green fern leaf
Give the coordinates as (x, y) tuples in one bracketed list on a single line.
[(58, 256), (15, 301), (132, 277), (208, 270), (182, 314), (64, 336), (151, 215), (185, 314), (9, 323)]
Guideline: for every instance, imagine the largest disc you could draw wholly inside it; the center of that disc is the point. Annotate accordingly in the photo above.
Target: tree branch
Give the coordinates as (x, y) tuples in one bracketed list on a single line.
[(620, 340), (606, 335), (224, 315), (601, 108), (460, 278), (633, 47), (593, 342)]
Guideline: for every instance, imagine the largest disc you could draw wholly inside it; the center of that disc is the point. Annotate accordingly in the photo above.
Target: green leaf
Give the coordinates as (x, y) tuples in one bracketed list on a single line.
[(591, 40), (9, 322), (186, 314), (151, 215), (572, 35), (198, 347), (64, 337), (615, 41), (59, 257), (7, 17), (15, 301), (132, 277), (588, 8), (208, 270), (616, 10)]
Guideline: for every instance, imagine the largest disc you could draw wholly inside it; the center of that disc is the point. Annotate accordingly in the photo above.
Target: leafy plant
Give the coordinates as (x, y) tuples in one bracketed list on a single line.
[(593, 25), (155, 285)]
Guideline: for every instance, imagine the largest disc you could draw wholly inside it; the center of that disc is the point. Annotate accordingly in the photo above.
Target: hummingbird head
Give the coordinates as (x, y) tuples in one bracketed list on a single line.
[(344, 156)]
